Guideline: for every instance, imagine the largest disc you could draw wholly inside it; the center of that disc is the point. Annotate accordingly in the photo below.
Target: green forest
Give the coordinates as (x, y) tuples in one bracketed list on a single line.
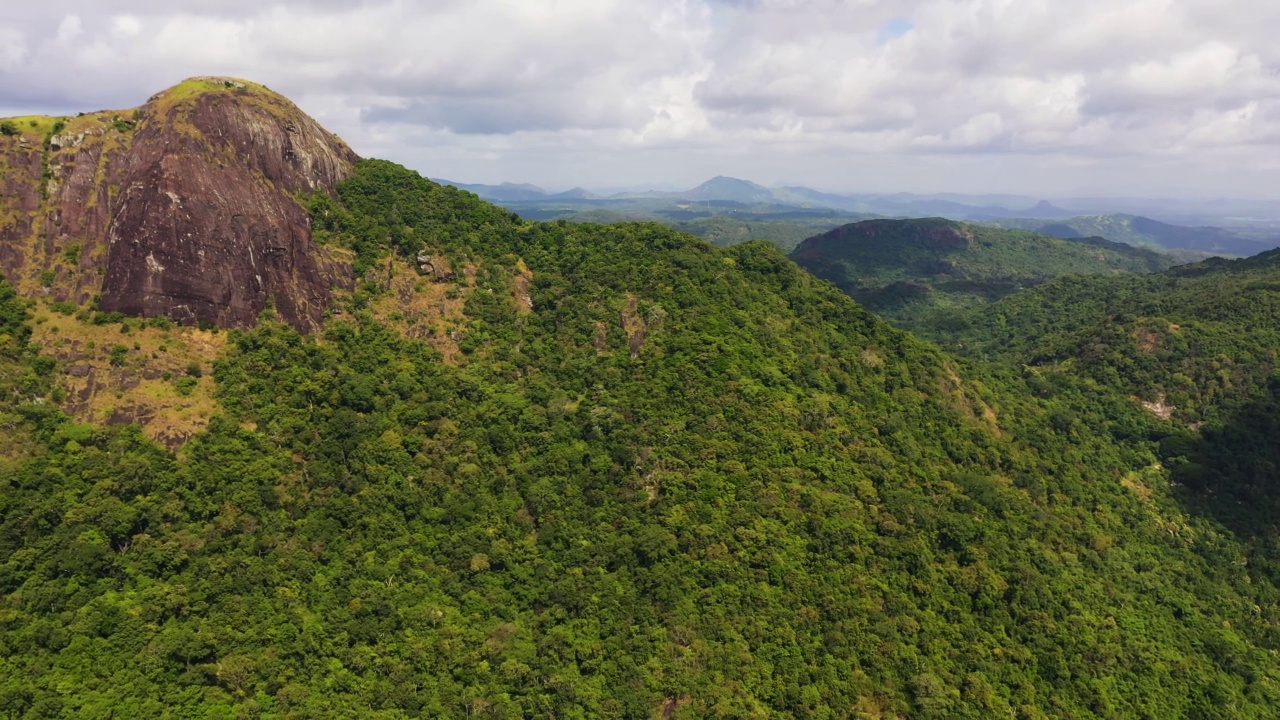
[(918, 273), (685, 481), (717, 222), (1197, 344)]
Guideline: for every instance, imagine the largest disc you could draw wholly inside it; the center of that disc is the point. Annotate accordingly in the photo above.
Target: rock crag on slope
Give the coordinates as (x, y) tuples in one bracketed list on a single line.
[(186, 208)]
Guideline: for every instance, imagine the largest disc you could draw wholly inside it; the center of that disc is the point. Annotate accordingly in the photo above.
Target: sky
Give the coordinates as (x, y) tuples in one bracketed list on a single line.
[(1137, 98)]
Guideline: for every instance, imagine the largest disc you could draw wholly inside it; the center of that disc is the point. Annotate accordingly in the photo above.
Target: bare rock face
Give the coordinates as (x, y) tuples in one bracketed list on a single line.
[(206, 227), (185, 208)]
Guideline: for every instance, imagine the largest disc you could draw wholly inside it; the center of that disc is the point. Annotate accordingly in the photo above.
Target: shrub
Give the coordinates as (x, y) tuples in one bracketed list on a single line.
[(105, 318), (185, 386), (43, 365)]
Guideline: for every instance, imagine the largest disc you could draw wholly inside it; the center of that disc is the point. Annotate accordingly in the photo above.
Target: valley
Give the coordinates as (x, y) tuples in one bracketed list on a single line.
[(726, 210)]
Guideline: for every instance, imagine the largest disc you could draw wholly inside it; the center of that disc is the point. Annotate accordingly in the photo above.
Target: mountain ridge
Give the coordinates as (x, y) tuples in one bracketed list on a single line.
[(723, 195), (914, 270), (1144, 231)]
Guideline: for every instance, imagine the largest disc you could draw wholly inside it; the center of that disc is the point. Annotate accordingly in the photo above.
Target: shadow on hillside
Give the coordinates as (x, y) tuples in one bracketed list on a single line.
[(1232, 473)]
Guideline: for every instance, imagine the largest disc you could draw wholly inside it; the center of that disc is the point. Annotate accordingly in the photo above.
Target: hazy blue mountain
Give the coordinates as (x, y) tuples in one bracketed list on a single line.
[(754, 203), (717, 188), (1146, 232), (506, 192), (577, 193), (727, 188), (1046, 209)]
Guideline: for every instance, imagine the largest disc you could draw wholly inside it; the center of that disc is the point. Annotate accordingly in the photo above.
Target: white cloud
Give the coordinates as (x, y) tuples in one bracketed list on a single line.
[(13, 47), (610, 90), (125, 27), (69, 29)]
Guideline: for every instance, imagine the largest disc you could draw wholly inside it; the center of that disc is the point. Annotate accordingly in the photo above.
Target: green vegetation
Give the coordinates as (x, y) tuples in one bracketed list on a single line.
[(185, 385), (920, 273), (8, 127), (34, 124), (383, 209), (197, 86), (784, 230), (119, 354), (717, 222), (1198, 344), (693, 482)]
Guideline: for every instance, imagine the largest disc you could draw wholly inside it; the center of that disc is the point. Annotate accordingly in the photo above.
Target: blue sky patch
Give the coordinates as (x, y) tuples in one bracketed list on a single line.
[(894, 29)]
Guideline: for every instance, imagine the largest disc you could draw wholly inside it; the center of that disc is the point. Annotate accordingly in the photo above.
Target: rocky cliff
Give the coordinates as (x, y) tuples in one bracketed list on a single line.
[(186, 208)]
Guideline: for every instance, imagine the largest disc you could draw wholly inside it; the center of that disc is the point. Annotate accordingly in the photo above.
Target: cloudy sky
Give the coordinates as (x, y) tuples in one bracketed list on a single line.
[(1051, 97)]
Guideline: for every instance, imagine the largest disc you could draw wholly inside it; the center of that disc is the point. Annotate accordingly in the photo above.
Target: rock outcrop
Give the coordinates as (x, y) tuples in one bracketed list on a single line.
[(185, 208)]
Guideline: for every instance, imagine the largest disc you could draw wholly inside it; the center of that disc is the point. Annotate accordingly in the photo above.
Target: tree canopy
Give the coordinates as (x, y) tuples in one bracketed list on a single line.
[(674, 480)]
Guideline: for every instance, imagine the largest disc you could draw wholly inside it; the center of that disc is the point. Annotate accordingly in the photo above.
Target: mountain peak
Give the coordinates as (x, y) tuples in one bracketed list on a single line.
[(726, 181), (722, 187), (183, 208), (202, 84)]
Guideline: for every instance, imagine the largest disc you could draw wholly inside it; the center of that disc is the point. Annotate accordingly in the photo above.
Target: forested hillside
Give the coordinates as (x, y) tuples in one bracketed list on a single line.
[(579, 471), (919, 272), (1197, 346)]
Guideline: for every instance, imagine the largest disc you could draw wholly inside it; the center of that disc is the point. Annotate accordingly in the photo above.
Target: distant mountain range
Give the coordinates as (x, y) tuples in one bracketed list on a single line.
[(1220, 227), (519, 192), (1145, 232), (736, 190)]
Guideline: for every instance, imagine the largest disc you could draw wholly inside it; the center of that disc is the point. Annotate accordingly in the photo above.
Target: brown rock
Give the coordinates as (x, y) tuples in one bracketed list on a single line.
[(190, 215), (130, 415)]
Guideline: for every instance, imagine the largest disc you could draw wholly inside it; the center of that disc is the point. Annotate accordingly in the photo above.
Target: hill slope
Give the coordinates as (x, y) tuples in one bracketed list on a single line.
[(914, 270), (542, 469), (1197, 345)]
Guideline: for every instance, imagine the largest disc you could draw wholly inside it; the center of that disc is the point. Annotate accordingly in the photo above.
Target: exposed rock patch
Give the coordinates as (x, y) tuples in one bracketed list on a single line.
[(427, 309), (143, 377), (634, 326), (639, 323), (206, 229), (1148, 340), (1159, 408), (523, 289)]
